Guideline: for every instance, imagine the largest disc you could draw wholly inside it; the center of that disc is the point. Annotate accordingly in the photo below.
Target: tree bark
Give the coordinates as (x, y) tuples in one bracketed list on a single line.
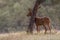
[(34, 11)]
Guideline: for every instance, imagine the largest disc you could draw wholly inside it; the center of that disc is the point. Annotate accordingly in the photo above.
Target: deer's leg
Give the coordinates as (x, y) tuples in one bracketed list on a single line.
[(45, 29), (37, 28), (49, 28)]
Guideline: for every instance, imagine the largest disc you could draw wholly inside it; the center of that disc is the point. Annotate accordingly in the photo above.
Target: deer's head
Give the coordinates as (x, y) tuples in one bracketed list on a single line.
[(30, 12)]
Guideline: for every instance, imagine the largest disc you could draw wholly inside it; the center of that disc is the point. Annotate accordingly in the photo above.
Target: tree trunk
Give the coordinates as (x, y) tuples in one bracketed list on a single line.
[(34, 11)]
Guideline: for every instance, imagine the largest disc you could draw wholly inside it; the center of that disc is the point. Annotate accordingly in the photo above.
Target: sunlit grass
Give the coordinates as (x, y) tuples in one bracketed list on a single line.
[(34, 36)]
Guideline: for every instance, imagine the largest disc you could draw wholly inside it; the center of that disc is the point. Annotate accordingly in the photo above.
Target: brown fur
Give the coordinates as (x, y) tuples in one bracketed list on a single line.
[(45, 21)]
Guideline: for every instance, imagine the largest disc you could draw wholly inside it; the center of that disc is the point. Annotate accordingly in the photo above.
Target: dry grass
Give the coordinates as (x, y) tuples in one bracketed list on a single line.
[(24, 36)]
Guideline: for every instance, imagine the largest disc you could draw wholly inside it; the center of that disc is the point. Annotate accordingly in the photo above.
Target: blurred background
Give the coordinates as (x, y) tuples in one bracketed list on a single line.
[(13, 14)]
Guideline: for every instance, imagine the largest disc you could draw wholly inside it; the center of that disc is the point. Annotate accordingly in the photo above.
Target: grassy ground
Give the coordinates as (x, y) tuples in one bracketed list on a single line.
[(24, 36)]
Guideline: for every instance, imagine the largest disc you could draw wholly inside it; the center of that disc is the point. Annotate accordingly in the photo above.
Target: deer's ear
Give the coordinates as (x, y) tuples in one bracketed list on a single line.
[(29, 9)]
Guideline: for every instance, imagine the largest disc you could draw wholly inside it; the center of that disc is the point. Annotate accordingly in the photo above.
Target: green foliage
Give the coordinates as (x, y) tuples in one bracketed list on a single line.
[(13, 14)]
